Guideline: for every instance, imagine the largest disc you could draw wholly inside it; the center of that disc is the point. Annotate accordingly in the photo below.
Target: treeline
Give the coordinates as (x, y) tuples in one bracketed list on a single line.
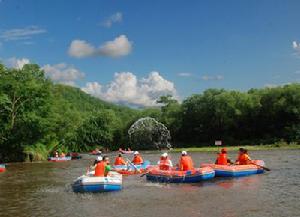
[(35, 113)]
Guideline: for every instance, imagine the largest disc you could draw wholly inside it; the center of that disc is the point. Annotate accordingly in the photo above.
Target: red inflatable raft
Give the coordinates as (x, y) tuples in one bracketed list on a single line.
[(176, 176), (2, 168), (237, 170)]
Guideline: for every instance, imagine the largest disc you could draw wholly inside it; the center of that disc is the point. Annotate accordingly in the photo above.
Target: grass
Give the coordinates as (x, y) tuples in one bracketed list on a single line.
[(276, 146)]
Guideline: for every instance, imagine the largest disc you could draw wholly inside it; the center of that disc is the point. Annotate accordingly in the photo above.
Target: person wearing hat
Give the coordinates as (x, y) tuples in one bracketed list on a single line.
[(97, 160), (120, 160), (164, 163), (103, 167), (137, 158), (185, 162), (222, 158)]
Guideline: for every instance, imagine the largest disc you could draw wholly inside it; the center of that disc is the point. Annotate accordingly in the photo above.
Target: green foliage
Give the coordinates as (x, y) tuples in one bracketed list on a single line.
[(34, 111), (39, 151)]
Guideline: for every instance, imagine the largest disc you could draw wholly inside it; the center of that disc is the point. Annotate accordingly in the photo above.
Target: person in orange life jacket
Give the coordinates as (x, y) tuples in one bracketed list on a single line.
[(137, 159), (103, 167), (62, 154), (186, 162), (222, 158), (119, 160), (164, 163), (243, 157)]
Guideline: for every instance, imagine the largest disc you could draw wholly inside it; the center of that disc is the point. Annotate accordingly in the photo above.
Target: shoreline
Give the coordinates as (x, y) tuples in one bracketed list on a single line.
[(235, 148)]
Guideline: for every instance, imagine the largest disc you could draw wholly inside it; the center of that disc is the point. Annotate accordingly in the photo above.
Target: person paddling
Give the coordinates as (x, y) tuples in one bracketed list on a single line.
[(222, 158), (120, 160), (164, 163), (186, 162), (137, 158), (243, 157)]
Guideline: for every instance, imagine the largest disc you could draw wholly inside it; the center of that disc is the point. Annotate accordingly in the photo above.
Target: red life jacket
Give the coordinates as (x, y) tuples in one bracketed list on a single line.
[(119, 161), (100, 169), (222, 159), (244, 159), (186, 163), (164, 164), (137, 160)]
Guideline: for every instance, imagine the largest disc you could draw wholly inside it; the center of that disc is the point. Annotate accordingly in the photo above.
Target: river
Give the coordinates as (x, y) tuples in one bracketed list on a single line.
[(44, 189)]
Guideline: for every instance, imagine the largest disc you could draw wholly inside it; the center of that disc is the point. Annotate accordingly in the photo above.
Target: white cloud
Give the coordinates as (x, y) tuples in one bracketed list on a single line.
[(63, 73), (212, 77), (184, 74), (80, 48), (296, 45), (17, 63), (126, 88), (114, 18), (21, 33), (120, 46)]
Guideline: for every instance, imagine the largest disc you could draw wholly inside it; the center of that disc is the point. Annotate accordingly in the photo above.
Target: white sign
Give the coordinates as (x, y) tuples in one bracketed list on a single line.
[(218, 142)]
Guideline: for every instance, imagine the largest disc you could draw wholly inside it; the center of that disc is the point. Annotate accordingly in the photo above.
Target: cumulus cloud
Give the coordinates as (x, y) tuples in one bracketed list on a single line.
[(21, 33), (184, 74), (118, 47), (17, 63), (126, 88), (63, 73), (81, 48), (212, 77), (114, 18)]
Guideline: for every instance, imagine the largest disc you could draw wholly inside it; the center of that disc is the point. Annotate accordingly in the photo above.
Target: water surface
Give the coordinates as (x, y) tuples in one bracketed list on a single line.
[(44, 189)]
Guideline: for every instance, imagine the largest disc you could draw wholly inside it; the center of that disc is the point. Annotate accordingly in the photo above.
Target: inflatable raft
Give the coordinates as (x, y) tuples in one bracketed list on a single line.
[(131, 169), (90, 183), (59, 159), (2, 168), (125, 152), (237, 170), (176, 176)]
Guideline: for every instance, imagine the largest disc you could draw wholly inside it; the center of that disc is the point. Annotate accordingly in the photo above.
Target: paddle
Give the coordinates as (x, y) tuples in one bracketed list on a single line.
[(135, 168), (265, 168)]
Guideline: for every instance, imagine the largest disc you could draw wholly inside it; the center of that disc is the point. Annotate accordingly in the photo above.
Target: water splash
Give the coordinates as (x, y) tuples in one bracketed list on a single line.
[(148, 133)]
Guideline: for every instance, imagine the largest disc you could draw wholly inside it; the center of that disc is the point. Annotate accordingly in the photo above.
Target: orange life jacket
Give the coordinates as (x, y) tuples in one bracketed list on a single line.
[(119, 161), (164, 164), (186, 163), (222, 159), (137, 159), (100, 169), (244, 159)]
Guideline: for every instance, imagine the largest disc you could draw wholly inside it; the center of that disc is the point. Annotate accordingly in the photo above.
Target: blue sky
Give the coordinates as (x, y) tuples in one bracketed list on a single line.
[(156, 47)]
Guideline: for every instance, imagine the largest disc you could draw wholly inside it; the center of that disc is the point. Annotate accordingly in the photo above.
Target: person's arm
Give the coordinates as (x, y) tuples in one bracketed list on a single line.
[(170, 163)]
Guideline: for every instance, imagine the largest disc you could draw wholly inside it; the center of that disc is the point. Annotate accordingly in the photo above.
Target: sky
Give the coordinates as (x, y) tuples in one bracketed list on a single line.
[(132, 51)]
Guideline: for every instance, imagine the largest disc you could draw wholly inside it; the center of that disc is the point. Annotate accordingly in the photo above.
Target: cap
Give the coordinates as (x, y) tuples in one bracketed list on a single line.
[(184, 153), (136, 152), (99, 158), (164, 155)]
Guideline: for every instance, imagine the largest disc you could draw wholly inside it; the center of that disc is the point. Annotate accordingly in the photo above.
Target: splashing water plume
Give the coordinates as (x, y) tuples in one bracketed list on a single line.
[(148, 133)]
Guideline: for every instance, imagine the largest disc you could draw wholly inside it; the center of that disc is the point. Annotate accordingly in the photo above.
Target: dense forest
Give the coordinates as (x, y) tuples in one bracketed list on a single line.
[(37, 115)]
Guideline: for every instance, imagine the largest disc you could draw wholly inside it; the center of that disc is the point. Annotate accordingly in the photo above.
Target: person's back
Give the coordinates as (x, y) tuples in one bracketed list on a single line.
[(119, 161), (165, 163), (186, 162), (100, 169), (137, 159), (222, 159), (243, 157)]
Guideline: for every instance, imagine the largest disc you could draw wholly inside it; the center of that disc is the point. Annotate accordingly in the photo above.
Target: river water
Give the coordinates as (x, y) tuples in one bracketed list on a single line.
[(44, 189)]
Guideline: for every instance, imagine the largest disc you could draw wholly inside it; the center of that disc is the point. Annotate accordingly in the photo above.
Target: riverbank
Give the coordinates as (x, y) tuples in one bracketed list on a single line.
[(277, 146)]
